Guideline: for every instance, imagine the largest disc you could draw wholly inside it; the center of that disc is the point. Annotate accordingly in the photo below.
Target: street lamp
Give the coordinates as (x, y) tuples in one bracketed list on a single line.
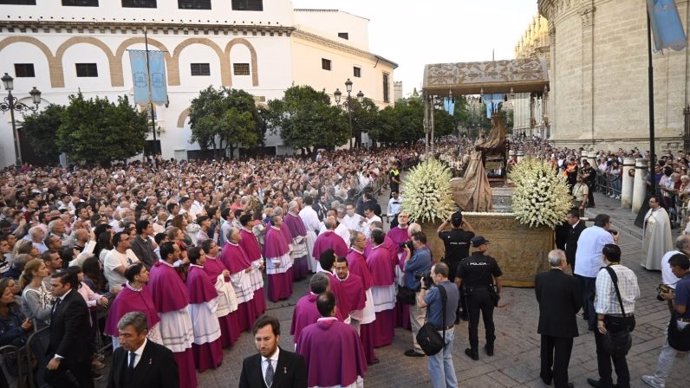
[(11, 104), (338, 94)]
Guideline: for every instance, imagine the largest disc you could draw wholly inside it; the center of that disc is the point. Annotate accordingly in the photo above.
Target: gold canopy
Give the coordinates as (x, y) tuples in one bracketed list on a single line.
[(517, 75)]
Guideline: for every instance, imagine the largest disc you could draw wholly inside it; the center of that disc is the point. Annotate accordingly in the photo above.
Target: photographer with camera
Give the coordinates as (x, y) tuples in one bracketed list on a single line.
[(680, 300), (480, 278), (440, 365), (415, 266), (456, 242)]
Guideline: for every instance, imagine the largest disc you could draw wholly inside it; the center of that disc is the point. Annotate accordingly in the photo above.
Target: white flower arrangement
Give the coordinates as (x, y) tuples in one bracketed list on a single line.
[(427, 192), (541, 195)]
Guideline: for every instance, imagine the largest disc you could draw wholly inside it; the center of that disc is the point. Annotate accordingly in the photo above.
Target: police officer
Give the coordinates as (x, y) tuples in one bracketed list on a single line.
[(480, 278), (457, 247)]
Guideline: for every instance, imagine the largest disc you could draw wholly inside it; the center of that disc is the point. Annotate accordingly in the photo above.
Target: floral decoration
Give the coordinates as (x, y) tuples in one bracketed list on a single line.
[(427, 192), (541, 195)]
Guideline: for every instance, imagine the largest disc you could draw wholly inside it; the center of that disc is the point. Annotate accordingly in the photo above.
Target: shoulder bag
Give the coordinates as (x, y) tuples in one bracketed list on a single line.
[(428, 338), (617, 342)]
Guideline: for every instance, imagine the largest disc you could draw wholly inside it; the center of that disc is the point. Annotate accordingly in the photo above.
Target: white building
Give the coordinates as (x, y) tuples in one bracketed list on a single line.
[(263, 47)]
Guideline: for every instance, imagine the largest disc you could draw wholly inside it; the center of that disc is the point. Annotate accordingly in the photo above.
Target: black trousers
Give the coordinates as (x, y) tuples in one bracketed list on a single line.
[(555, 358), (71, 375), (604, 359), (480, 301)]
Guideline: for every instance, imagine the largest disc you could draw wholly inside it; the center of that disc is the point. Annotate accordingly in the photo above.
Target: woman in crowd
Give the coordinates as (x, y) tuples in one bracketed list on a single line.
[(36, 299)]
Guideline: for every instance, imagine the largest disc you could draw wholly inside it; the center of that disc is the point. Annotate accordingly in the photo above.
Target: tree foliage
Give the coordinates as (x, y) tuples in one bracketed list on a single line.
[(41, 130), (402, 123), (100, 131), (365, 117), (306, 119), (225, 119)]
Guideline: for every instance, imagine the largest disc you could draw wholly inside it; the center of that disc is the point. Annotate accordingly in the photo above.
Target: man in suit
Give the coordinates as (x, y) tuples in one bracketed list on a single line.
[(574, 231), (140, 362), (559, 302), (272, 367), (70, 354)]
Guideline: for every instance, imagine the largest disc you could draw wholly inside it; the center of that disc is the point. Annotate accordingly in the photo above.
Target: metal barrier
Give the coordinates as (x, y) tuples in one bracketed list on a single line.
[(23, 366), (34, 348)]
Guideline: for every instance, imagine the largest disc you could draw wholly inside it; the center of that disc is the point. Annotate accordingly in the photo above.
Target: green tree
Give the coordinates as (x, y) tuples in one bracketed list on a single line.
[(402, 123), (224, 119), (306, 119), (41, 130), (100, 131), (365, 117)]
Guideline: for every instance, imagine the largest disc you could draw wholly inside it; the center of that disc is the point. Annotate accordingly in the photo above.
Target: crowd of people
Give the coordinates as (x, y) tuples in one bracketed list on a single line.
[(178, 259), (186, 243)]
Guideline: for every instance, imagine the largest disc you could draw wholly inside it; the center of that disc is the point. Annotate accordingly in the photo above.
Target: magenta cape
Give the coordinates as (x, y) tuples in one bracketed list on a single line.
[(329, 240), (349, 294), (213, 267), (250, 244), (275, 245), (304, 314), (381, 267), (295, 225), (234, 258), (358, 266), (286, 233), (336, 342), (126, 301), (201, 290), (167, 289), (398, 235)]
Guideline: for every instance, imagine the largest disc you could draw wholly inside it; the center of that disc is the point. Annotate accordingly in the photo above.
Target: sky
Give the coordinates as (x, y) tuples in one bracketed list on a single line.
[(413, 33)]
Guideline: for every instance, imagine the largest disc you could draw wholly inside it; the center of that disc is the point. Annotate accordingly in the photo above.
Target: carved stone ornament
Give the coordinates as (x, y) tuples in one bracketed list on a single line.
[(588, 17)]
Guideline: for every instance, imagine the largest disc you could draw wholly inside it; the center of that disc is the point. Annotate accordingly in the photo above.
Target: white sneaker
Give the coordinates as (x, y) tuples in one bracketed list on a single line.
[(652, 381)]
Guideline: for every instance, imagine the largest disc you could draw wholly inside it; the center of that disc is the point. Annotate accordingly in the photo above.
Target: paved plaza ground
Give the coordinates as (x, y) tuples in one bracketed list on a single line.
[(516, 361)]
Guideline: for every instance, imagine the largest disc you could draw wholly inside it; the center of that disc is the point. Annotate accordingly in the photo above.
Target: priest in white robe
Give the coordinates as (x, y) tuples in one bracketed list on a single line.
[(656, 235)]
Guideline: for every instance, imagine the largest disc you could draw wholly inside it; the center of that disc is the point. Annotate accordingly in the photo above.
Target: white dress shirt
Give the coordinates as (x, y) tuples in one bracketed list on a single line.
[(274, 361), (588, 257)]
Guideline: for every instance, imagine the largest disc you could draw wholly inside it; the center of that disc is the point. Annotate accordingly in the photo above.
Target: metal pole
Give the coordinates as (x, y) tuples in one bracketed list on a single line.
[(650, 76), (17, 147), (349, 114), (153, 110), (432, 110)]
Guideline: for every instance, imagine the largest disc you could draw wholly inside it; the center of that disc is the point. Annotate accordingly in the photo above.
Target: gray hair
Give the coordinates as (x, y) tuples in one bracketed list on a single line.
[(353, 237), (136, 319), (292, 205), (556, 257), (683, 242)]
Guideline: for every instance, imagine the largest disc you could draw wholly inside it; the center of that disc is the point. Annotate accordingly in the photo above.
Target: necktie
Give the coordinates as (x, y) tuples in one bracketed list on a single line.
[(55, 305), (132, 357), (269, 374)]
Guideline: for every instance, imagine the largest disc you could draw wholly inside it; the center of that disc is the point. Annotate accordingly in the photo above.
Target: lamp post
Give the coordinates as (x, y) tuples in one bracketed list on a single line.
[(338, 94), (10, 103)]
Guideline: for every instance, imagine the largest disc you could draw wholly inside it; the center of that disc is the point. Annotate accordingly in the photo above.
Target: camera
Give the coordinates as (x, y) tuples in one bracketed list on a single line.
[(426, 276), (613, 232), (662, 289), (407, 244)]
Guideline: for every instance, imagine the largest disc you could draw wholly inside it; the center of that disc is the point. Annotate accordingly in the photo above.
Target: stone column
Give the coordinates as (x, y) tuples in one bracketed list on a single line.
[(640, 186), (592, 159), (583, 156), (627, 186), (587, 69)]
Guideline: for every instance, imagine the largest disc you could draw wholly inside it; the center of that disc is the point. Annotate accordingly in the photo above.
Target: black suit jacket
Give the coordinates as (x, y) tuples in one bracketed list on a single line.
[(156, 369), (291, 372), (69, 323), (571, 243), (559, 302)]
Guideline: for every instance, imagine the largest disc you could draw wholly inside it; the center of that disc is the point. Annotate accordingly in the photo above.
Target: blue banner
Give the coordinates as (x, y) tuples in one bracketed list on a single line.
[(144, 93), (667, 28), (159, 90), (492, 102)]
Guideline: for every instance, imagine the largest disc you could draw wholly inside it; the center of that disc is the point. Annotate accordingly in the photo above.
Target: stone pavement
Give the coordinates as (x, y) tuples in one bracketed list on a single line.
[(516, 360)]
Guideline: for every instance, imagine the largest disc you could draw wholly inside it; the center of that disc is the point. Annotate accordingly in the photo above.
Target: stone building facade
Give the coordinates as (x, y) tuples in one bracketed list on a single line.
[(598, 76), (533, 43)]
